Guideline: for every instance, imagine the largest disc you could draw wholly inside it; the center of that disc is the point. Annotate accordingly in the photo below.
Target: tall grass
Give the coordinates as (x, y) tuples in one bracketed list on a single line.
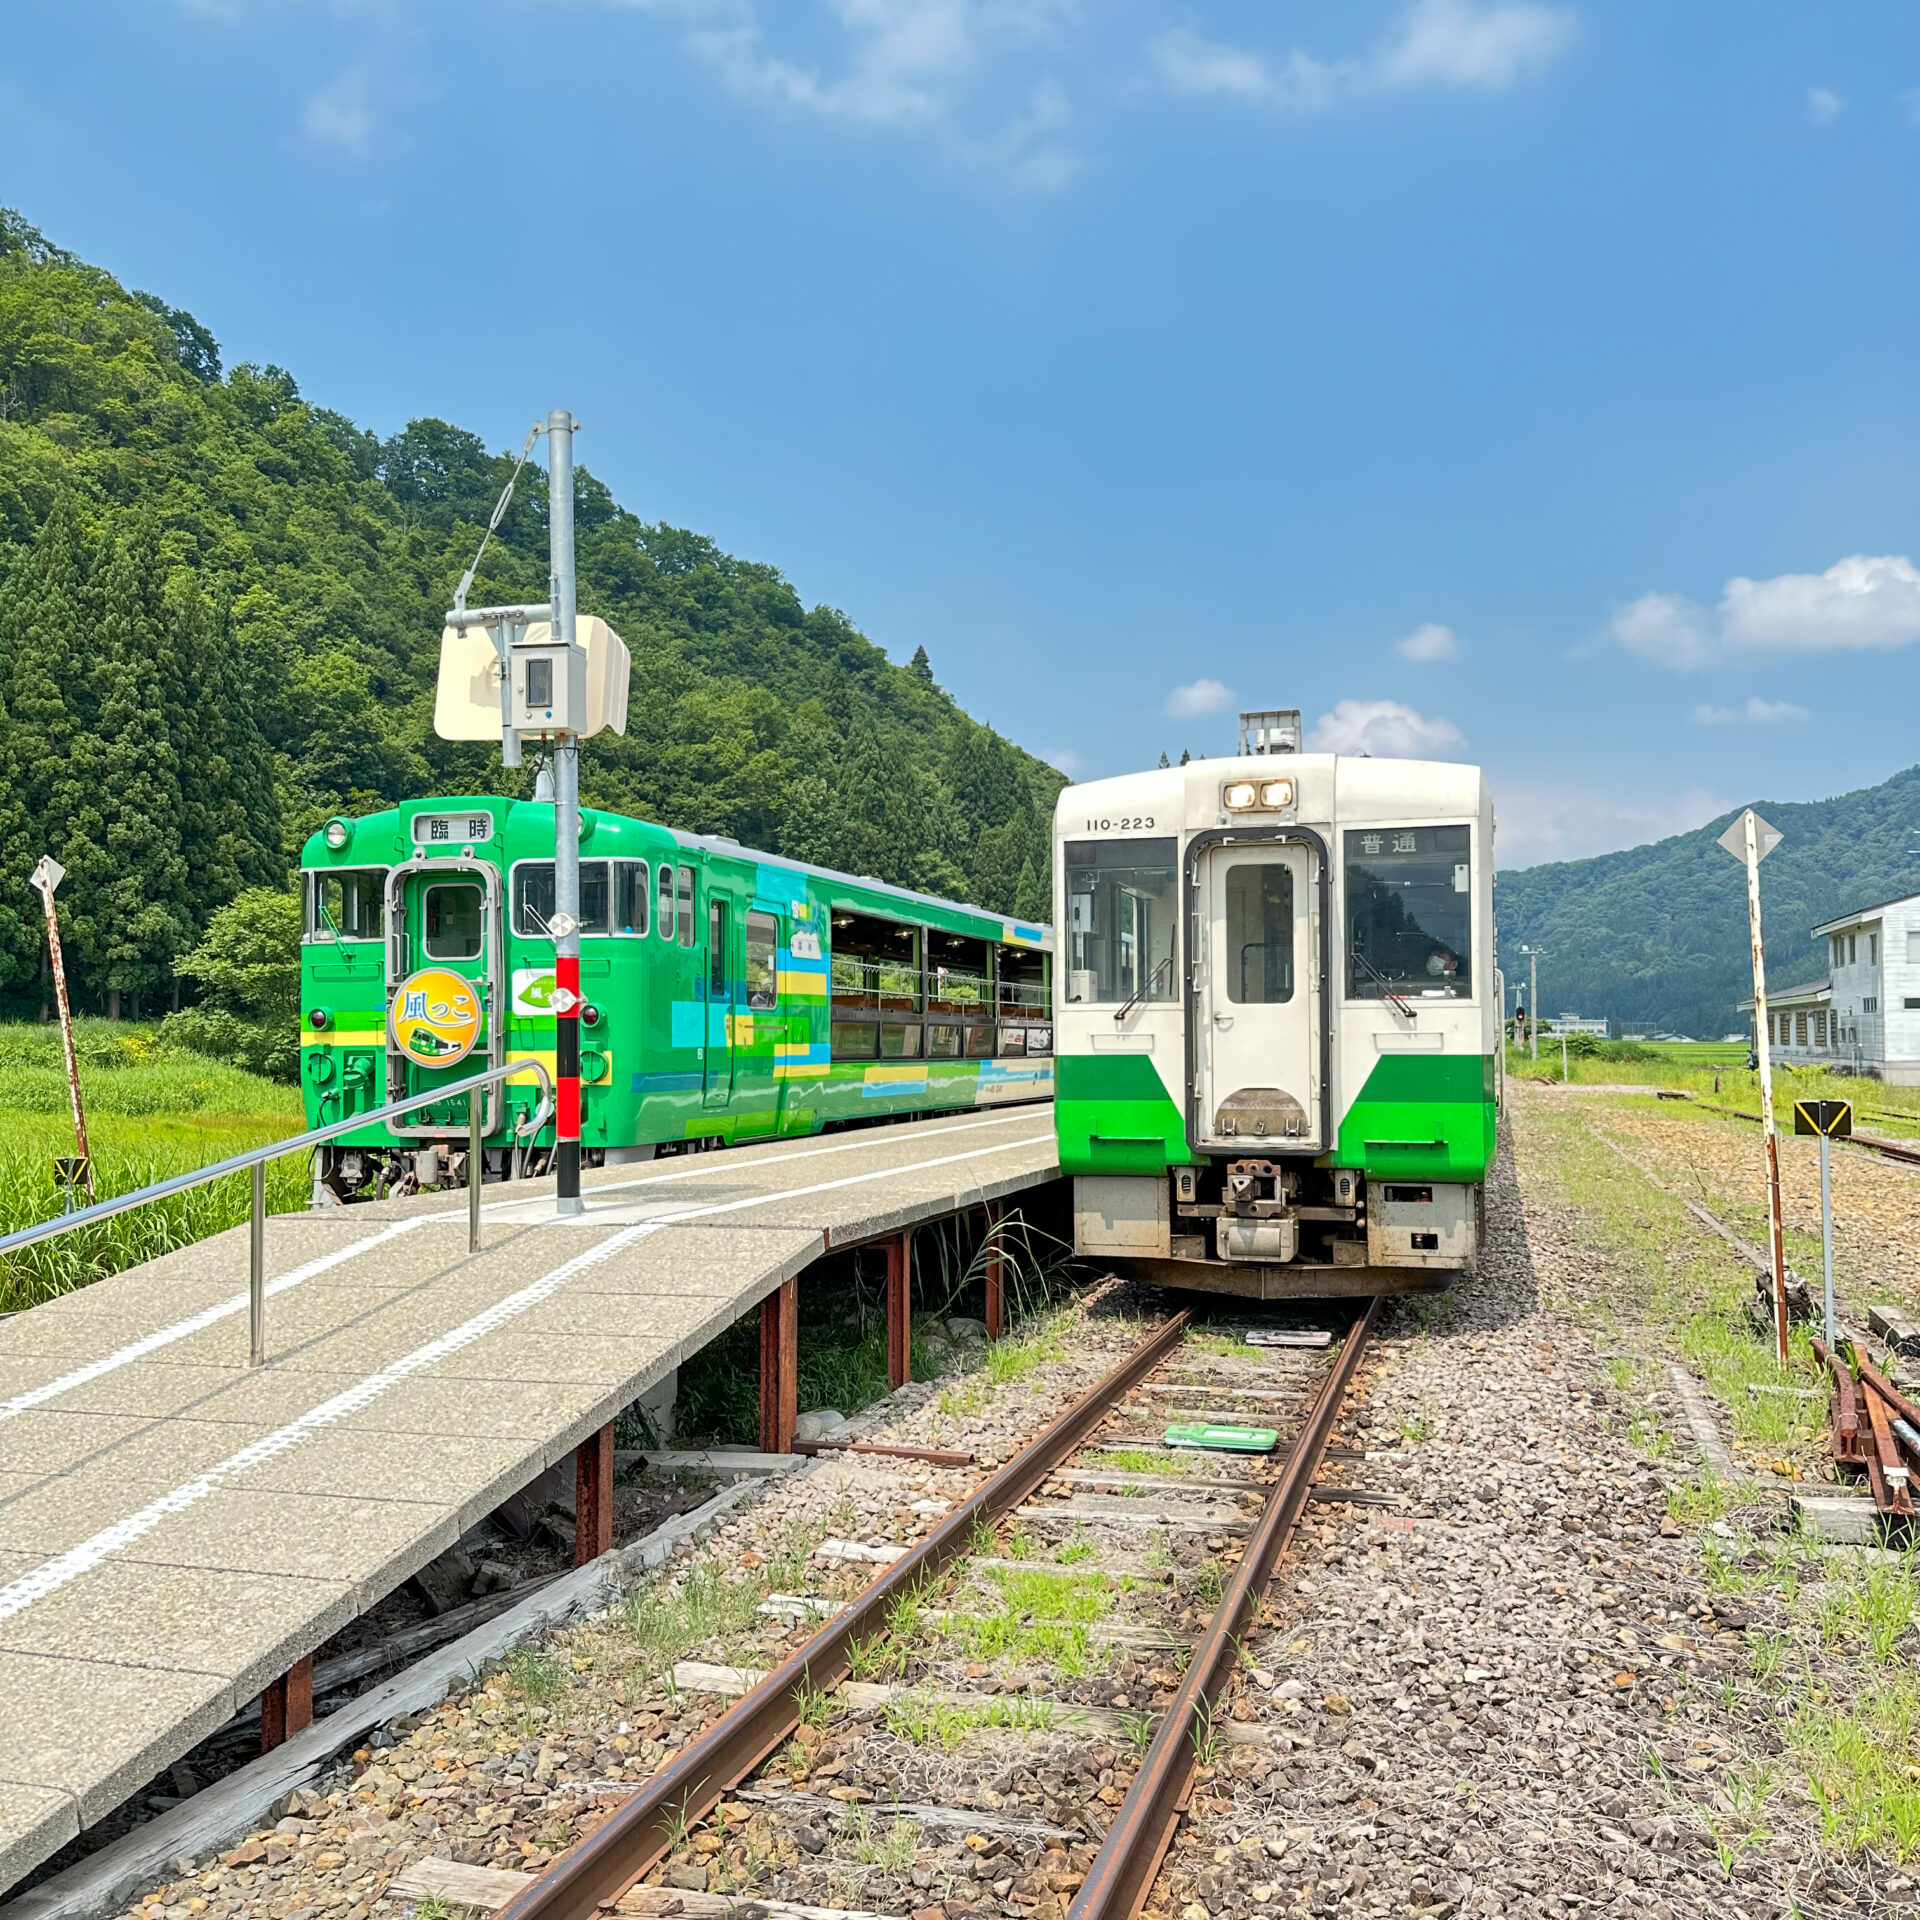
[(152, 1111)]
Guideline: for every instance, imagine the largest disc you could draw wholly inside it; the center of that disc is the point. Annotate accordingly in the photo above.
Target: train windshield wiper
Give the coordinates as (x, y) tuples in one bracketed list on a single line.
[(1147, 987), (1387, 993)]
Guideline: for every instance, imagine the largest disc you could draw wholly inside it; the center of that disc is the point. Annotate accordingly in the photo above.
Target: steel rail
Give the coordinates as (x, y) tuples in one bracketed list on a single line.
[(1123, 1871), (641, 1831)]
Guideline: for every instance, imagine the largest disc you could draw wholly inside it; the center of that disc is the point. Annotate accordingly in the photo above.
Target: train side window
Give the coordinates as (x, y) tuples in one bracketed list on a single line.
[(856, 1040), (717, 950), (665, 915), (347, 903), (1409, 913), (1259, 933), (763, 936), (630, 882), (684, 908), (451, 918)]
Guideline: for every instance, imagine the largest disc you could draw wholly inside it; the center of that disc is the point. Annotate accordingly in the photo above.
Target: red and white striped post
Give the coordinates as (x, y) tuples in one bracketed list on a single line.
[(566, 834)]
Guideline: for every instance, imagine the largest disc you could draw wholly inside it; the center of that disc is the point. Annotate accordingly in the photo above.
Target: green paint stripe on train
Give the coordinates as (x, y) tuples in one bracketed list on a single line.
[(1422, 1117), (1113, 1114)]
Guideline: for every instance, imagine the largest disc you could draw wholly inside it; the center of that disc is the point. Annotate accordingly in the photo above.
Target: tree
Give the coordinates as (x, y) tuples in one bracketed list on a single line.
[(121, 799), (920, 666), (248, 968)]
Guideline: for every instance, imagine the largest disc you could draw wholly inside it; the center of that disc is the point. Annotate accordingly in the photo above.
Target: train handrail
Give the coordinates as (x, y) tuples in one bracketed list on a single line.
[(256, 1158)]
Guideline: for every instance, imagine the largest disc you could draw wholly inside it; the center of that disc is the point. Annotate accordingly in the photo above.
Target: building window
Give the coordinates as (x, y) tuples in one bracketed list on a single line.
[(1871, 1004), (1799, 1029), (1873, 949), (1913, 1005), (1819, 1029), (1853, 948)]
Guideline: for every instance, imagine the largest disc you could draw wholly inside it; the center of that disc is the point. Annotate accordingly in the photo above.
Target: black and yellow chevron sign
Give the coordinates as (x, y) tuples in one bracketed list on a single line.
[(1834, 1118)]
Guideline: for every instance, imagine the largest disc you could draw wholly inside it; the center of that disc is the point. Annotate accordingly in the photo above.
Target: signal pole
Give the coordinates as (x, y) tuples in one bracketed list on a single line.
[(566, 832)]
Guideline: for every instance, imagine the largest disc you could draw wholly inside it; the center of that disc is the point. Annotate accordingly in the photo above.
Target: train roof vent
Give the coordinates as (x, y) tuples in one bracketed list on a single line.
[(1277, 731)]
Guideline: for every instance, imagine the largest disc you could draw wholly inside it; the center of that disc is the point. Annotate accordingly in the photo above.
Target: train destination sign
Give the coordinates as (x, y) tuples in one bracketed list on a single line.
[(435, 1017), (1830, 1119)]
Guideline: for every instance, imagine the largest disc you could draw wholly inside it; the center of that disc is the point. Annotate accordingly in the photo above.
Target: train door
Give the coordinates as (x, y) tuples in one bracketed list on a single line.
[(445, 1018), (1256, 1013), (756, 1027), (719, 1001)]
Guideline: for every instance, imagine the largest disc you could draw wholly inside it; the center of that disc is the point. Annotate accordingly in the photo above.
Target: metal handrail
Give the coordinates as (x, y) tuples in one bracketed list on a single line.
[(255, 1160)]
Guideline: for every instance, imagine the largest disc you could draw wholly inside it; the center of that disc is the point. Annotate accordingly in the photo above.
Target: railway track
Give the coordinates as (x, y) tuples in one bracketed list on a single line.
[(1095, 1543)]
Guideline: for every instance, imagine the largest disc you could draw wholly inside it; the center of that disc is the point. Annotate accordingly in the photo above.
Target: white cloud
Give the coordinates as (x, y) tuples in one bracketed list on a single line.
[(1552, 823), (1862, 603), (1435, 43), (1824, 106), (1386, 729), (1198, 696), (1756, 713), (1069, 762), (901, 64), (1429, 643), (1452, 43), (339, 115)]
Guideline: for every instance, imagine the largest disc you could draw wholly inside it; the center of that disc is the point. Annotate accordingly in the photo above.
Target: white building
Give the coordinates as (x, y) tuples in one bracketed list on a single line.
[(1571, 1023), (1865, 1016)]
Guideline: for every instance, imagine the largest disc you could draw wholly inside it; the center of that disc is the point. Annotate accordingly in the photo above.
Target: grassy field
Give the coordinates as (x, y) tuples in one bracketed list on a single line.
[(1717, 1070), (152, 1111)]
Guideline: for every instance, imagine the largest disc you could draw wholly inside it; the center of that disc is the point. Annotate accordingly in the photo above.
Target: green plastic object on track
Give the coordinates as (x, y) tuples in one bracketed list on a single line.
[(1211, 1438)]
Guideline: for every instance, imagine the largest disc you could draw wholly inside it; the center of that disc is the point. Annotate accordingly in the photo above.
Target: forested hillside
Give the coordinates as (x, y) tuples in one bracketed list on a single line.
[(1658, 935), (220, 611)]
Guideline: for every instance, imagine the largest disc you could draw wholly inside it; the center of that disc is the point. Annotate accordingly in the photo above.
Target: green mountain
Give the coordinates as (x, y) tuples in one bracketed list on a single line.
[(220, 612), (1657, 936)]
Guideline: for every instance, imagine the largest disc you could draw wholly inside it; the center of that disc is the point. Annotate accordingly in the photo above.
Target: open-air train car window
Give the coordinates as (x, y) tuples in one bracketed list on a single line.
[(876, 988)]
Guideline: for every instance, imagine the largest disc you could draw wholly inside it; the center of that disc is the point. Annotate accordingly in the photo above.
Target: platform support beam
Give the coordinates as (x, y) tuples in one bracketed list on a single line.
[(996, 1314), (286, 1708), (779, 1367), (593, 1497), (900, 1308)]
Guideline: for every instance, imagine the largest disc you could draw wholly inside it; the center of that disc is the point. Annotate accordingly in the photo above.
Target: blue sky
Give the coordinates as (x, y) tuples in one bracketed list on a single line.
[(1526, 382)]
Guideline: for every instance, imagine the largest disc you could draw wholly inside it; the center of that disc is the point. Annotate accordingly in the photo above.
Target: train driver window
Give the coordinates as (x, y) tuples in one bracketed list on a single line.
[(1123, 906), (533, 893), (763, 936), (665, 915), (684, 908), (452, 917), (347, 904), (630, 896), (1259, 934), (1409, 913)]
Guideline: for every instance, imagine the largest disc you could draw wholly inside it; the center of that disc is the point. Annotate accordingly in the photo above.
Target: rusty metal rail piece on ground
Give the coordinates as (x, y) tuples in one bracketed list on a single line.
[(1123, 1871), (1847, 1450), (641, 1830), (932, 1456)]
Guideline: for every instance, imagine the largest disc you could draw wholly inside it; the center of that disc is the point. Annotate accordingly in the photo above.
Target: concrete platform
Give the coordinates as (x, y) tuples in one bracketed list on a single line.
[(176, 1529)]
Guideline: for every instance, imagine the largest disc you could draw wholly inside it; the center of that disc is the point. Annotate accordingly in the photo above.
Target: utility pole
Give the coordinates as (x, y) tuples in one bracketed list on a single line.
[(566, 831), (554, 689), (1533, 1002), (1750, 840)]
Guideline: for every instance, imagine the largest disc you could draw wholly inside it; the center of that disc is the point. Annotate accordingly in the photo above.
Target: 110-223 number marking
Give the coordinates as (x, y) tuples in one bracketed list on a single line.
[(1126, 824)]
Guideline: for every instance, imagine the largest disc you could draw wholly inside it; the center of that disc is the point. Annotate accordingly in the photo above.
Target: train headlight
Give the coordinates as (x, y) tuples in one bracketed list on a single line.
[(1276, 793), (338, 833), (1238, 795)]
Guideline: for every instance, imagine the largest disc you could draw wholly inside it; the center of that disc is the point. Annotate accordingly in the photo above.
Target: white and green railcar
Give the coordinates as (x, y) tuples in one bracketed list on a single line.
[(1277, 1018)]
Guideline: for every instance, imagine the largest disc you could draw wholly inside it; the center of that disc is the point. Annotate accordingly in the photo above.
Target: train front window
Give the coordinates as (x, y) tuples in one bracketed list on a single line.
[(1123, 906), (452, 913), (347, 904), (1409, 913), (533, 898)]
